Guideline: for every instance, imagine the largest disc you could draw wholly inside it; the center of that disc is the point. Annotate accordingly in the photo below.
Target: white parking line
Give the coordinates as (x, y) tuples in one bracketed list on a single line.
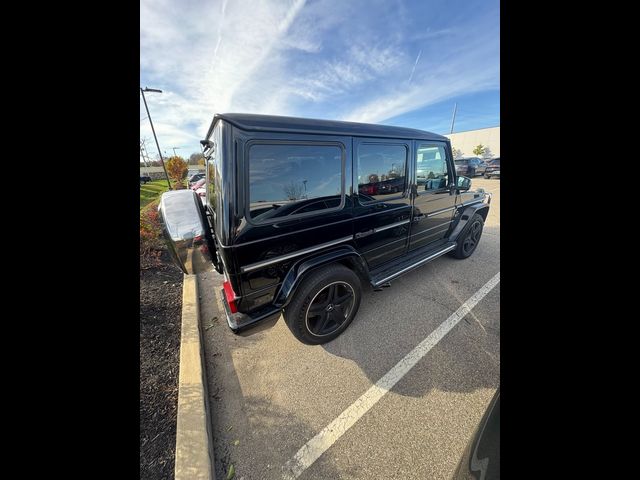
[(315, 447)]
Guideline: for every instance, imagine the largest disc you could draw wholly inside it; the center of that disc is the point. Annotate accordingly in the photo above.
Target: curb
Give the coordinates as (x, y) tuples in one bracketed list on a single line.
[(194, 442)]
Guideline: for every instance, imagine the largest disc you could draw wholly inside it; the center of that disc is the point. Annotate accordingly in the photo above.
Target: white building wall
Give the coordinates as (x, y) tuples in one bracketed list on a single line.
[(467, 141)]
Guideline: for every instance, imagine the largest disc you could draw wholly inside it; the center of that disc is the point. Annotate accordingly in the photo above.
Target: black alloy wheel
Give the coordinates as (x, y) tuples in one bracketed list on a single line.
[(470, 238), (324, 304), (330, 308)]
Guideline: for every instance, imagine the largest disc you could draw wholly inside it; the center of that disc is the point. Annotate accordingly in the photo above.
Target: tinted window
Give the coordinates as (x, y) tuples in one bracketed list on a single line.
[(381, 169), (462, 161), (288, 179), (431, 167)]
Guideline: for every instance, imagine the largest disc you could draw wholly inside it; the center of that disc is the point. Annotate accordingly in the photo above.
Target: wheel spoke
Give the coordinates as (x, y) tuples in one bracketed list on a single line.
[(333, 292), (316, 310), (325, 319), (340, 300)]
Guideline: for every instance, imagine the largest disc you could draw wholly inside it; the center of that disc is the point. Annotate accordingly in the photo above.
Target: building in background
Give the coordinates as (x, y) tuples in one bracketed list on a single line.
[(467, 141)]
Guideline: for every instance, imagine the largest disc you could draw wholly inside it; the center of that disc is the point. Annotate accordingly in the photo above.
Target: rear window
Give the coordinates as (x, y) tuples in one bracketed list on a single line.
[(286, 179)]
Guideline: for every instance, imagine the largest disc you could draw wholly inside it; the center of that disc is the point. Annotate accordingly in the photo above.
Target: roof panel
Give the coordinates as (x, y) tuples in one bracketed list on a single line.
[(273, 123)]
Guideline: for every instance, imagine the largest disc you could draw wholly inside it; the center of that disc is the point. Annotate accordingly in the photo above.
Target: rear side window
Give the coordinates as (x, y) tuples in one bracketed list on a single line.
[(382, 170), (286, 179)]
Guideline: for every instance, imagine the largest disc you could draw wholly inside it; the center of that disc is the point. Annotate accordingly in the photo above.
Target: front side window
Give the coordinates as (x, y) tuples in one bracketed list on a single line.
[(381, 169), (431, 168), (289, 179)]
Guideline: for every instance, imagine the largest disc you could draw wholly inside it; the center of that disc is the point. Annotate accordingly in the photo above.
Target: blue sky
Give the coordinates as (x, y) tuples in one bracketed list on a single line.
[(396, 62)]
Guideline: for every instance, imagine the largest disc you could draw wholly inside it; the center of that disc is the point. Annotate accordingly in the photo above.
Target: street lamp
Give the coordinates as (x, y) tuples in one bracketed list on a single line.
[(147, 89), (174, 150)]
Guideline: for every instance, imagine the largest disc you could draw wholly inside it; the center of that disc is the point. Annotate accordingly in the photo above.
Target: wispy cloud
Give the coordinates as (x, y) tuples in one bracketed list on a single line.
[(315, 58)]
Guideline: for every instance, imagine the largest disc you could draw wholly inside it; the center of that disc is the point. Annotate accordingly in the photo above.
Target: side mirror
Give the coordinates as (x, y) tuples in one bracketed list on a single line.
[(184, 229), (464, 183)]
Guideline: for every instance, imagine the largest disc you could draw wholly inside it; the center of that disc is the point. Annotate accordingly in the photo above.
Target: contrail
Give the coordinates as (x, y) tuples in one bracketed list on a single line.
[(414, 65)]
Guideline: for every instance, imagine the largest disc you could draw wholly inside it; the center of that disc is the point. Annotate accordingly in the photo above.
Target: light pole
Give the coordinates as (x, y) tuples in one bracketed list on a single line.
[(147, 89), (305, 189), (174, 150)]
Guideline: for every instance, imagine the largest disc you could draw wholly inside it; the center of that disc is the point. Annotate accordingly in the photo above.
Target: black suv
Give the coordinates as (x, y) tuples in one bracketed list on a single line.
[(300, 214), (145, 178), (493, 168), (471, 166)]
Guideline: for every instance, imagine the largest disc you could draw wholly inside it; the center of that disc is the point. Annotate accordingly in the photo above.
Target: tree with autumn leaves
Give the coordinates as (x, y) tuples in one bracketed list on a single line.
[(177, 169)]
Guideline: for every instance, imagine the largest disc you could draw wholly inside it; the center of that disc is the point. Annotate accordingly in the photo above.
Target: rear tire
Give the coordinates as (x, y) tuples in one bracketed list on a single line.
[(324, 305), (468, 241)]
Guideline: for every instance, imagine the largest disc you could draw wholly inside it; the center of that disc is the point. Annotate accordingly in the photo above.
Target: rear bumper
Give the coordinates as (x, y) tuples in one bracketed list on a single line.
[(245, 325)]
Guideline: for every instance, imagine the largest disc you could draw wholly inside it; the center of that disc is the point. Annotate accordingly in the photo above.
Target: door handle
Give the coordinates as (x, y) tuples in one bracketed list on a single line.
[(365, 234), (417, 218)]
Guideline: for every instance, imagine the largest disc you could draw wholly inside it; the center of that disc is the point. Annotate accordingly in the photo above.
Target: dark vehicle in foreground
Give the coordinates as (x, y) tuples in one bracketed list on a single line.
[(145, 178), (300, 215), (470, 166), (493, 168), (481, 458)]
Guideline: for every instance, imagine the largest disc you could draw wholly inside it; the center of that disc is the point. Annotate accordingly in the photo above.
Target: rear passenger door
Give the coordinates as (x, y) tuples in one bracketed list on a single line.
[(434, 199), (382, 207)]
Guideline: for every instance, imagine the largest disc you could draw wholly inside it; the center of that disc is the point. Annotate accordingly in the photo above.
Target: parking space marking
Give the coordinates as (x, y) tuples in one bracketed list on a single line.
[(315, 447)]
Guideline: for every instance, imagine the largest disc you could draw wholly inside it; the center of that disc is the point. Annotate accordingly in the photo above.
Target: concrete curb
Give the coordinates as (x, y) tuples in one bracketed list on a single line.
[(194, 441)]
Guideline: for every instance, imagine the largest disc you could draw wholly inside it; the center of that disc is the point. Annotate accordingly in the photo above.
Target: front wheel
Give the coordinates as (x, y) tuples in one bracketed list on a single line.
[(324, 305), (470, 238), (486, 175)]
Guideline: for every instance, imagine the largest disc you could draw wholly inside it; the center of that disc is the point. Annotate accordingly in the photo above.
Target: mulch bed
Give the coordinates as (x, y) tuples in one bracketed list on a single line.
[(160, 321)]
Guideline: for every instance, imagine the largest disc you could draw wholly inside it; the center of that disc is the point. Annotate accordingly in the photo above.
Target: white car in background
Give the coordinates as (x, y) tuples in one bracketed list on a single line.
[(200, 189)]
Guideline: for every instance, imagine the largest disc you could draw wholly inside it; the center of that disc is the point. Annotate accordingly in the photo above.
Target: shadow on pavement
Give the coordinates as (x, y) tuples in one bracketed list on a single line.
[(391, 322)]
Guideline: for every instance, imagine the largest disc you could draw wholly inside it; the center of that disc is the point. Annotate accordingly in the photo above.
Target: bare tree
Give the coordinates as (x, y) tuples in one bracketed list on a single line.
[(486, 154), (293, 191), (457, 153)]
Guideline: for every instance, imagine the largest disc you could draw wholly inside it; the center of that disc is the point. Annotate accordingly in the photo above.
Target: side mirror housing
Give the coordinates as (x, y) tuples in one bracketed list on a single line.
[(464, 183)]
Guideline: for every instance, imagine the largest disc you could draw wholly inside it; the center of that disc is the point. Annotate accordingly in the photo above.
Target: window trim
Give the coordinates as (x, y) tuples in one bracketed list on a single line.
[(419, 145), (304, 143), (356, 168)]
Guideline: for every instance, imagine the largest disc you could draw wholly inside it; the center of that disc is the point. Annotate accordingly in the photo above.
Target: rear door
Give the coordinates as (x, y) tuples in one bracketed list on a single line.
[(434, 202), (382, 207)]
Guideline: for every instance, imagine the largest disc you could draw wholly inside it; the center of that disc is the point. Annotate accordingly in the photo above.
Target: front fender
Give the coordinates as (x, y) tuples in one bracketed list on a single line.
[(464, 215), (301, 269)]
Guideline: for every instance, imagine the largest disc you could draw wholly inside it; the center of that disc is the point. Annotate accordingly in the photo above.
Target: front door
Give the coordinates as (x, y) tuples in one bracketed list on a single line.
[(434, 197)]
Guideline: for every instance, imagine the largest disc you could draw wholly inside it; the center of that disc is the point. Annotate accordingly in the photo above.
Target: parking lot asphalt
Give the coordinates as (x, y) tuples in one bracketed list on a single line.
[(270, 394)]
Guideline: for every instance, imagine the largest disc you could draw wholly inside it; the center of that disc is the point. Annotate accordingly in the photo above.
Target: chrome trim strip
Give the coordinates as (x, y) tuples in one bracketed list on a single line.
[(282, 258), (472, 202), (391, 225), (438, 212), (442, 225), (410, 267)]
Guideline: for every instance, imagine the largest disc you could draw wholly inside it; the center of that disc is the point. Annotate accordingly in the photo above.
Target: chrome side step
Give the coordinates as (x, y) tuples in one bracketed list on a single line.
[(379, 283)]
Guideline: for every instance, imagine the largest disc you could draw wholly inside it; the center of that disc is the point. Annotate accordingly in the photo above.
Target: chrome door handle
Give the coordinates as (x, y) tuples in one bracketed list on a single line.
[(365, 234), (417, 218)]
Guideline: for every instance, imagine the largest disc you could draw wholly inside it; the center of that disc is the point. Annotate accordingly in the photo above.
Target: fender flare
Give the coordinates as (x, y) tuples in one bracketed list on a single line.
[(301, 270), (466, 215)]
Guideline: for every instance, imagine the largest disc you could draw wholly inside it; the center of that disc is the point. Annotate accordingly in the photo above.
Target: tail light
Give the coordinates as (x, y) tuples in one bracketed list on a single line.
[(230, 296)]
